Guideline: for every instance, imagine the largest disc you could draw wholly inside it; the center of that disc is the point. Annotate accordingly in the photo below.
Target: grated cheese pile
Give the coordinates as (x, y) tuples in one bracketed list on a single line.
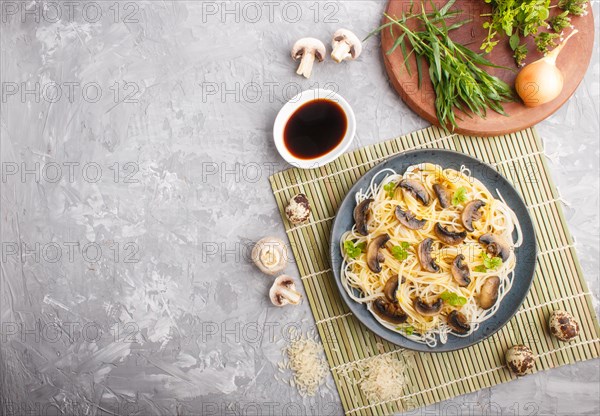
[(305, 359)]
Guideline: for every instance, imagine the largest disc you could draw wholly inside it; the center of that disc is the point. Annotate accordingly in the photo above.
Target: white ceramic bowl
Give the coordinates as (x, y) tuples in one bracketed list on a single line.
[(296, 102)]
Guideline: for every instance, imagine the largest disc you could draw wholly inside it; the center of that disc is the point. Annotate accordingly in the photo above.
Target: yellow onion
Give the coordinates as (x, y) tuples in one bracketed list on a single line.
[(541, 81)]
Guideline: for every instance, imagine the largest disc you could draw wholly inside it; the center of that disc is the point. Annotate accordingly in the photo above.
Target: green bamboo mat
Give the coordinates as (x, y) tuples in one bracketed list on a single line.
[(558, 282)]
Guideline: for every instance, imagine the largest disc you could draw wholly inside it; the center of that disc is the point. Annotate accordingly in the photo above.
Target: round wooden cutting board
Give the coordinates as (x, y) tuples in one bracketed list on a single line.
[(573, 62)]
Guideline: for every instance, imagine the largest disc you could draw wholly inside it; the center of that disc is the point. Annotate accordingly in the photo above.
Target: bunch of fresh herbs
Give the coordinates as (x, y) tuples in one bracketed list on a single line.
[(455, 71), (518, 19)]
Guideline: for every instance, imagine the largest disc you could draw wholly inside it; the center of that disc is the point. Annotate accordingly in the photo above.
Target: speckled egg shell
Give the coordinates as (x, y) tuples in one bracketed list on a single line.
[(520, 359), (563, 325)]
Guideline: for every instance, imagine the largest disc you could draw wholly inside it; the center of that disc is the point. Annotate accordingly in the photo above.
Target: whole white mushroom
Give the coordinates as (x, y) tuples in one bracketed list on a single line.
[(270, 255)]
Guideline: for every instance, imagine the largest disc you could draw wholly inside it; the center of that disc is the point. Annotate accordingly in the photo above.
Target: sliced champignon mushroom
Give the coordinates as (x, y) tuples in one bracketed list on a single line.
[(442, 195), (346, 46), (458, 322), (388, 311), (308, 49), (488, 294), (416, 189), (471, 213), (496, 246), (270, 255), (424, 255), (283, 291), (374, 257), (390, 288), (452, 238), (409, 220), (460, 271), (360, 216), (426, 309)]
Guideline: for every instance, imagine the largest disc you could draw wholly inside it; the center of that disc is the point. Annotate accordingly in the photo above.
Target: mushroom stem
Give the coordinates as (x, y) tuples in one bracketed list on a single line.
[(291, 295), (306, 64), (340, 51)]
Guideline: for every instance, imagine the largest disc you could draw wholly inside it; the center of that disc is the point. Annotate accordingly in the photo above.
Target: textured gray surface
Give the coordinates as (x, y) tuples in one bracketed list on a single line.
[(153, 193)]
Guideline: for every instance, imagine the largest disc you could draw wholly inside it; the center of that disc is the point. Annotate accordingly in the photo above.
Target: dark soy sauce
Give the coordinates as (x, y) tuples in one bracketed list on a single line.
[(315, 129)]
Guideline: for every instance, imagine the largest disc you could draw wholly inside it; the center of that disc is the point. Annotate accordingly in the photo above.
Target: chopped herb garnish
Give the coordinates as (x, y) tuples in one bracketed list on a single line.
[(352, 250), (489, 263), (390, 188), (401, 252), (408, 330), (453, 299), (460, 196)]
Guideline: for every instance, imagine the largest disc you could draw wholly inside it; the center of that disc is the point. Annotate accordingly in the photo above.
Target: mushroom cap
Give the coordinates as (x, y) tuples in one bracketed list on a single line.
[(460, 271), (496, 245), (283, 291), (390, 288), (408, 219), (345, 35), (458, 322), (298, 209), (374, 257), (424, 255), (452, 238), (470, 213), (389, 311), (360, 214), (519, 359), (563, 325), (270, 255), (426, 309), (309, 45), (416, 189), (442, 195), (488, 294)]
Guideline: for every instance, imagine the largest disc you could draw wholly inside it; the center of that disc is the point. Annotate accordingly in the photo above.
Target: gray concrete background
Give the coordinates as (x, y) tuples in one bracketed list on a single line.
[(136, 148)]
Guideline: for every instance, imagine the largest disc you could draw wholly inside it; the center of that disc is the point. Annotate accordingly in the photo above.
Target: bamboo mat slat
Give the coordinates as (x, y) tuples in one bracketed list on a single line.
[(558, 281)]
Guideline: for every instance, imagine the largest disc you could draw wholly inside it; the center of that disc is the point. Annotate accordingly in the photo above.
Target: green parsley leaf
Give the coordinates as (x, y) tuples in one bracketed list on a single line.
[(408, 330), (491, 263), (390, 188), (352, 250), (400, 252), (460, 196), (453, 299)]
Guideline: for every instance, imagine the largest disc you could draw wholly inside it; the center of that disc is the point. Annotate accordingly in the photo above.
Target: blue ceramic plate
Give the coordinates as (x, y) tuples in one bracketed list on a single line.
[(525, 254)]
